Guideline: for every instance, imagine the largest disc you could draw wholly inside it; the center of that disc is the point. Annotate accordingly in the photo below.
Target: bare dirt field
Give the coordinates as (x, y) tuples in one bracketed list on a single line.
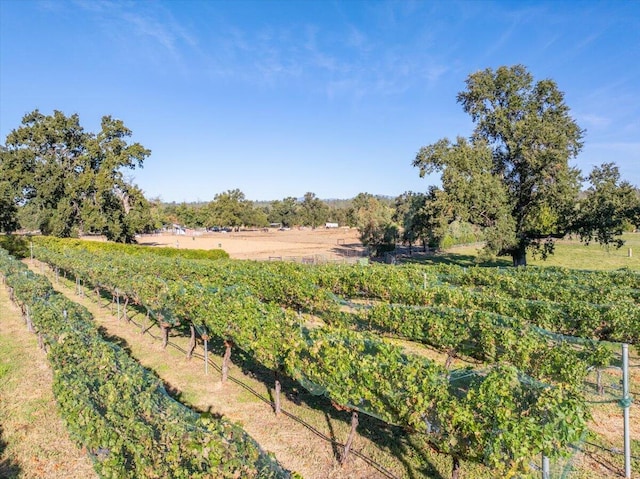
[(310, 245)]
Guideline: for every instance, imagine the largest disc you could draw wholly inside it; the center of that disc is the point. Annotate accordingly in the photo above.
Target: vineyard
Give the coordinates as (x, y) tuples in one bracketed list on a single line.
[(516, 356), (119, 411)]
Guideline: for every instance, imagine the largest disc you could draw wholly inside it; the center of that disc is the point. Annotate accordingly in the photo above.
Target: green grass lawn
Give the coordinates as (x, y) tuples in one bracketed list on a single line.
[(568, 254), (573, 254)]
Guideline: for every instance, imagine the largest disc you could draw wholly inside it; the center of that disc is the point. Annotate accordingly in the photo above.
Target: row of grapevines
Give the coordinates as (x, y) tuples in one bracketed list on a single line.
[(500, 418), (554, 284), (550, 284), (482, 336), (134, 249), (609, 312), (617, 321), (119, 410), (288, 287)]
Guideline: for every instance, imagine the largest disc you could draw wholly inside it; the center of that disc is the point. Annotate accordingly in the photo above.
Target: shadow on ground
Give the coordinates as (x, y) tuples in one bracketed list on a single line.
[(409, 449), (9, 469), (465, 260)]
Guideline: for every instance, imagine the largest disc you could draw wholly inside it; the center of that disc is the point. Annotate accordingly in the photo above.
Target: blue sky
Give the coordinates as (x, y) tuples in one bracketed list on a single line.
[(278, 98)]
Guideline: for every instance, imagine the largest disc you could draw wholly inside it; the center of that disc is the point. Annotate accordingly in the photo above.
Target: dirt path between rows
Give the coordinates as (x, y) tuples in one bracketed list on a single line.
[(34, 442)]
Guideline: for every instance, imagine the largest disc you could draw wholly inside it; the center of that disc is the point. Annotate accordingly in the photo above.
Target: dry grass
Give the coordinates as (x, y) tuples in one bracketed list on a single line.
[(34, 442)]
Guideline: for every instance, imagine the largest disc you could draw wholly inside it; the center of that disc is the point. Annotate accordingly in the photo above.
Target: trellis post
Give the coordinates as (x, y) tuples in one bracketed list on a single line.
[(545, 467), (626, 404)]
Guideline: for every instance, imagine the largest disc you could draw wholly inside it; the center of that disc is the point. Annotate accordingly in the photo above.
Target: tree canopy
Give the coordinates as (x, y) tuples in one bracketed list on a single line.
[(314, 211), (411, 213), (513, 176), (65, 181), (231, 208), (609, 206), (285, 211), (8, 209), (374, 220)]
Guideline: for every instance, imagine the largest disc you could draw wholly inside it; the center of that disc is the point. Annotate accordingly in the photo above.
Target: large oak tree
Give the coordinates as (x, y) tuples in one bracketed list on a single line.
[(513, 176), (67, 181), (231, 208)]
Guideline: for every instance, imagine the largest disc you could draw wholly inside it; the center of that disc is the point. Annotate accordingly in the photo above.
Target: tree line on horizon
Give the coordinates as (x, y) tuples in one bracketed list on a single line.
[(510, 184)]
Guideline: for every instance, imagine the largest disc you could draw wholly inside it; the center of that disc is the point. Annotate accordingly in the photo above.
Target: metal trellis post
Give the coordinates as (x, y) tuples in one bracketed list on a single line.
[(626, 403)]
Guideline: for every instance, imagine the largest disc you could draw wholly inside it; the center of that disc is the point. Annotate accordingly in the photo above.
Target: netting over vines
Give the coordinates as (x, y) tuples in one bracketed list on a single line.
[(526, 354), (118, 410)]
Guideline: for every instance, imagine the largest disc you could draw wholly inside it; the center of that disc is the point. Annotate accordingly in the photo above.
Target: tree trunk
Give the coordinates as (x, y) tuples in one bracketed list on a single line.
[(455, 469), (352, 433), (225, 360), (519, 256), (164, 328), (192, 342)]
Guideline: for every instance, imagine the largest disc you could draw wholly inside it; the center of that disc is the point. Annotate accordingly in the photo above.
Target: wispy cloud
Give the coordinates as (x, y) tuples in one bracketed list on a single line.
[(593, 120), (150, 27), (136, 23), (342, 61), (433, 73), (356, 39), (587, 40), (502, 40)]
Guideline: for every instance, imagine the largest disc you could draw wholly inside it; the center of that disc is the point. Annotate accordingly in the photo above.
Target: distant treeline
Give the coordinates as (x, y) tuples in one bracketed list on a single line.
[(382, 221)]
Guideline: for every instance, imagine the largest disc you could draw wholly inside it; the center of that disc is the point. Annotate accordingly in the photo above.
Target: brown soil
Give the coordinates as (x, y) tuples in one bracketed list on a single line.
[(320, 244)]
